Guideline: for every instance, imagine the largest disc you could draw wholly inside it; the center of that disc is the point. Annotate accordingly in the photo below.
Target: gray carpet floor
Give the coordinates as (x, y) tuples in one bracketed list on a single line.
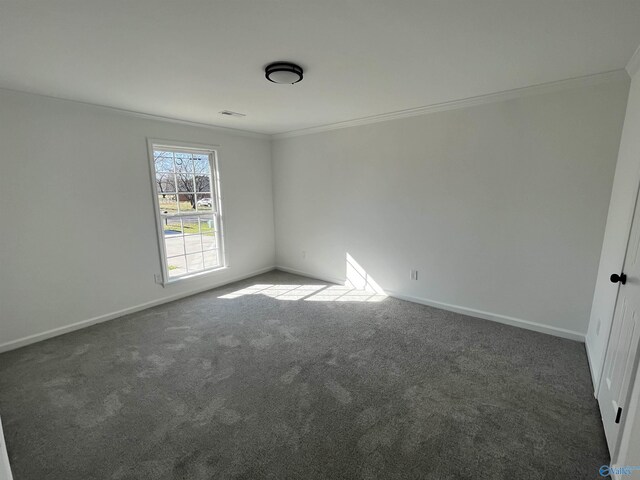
[(256, 387)]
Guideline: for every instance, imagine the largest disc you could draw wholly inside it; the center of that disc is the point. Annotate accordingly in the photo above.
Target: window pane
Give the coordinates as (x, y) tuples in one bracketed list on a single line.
[(172, 225), (204, 202), (174, 244), (195, 262), (188, 210), (208, 241), (184, 163), (207, 226), (185, 182), (202, 183), (190, 225), (201, 164), (187, 202), (192, 244), (177, 266), (163, 161), (165, 182), (211, 259), (168, 203)]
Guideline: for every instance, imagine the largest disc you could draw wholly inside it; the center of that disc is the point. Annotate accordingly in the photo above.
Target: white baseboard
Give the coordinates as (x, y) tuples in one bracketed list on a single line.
[(21, 342), (472, 312), (538, 327), (516, 322), (324, 278)]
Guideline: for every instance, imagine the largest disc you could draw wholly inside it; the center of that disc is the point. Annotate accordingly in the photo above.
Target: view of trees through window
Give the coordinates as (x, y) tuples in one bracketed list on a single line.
[(188, 211)]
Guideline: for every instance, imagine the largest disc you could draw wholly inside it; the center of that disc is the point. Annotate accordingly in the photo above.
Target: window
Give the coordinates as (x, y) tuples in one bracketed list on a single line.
[(187, 201)]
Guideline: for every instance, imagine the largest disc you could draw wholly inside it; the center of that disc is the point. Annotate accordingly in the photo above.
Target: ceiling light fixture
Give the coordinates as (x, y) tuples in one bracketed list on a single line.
[(283, 72)]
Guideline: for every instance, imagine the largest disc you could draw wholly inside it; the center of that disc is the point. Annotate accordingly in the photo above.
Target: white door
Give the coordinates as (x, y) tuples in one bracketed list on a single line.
[(5, 470), (621, 360)]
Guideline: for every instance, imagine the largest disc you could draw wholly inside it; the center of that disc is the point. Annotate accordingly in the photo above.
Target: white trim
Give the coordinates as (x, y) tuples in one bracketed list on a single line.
[(212, 151), (324, 278), (472, 312), (634, 63), (594, 381), (603, 357), (183, 147), (619, 445), (5, 467), (21, 342), (193, 276), (548, 87), (150, 116)]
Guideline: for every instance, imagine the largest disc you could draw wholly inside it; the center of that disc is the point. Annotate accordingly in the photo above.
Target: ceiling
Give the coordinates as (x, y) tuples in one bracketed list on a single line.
[(190, 59)]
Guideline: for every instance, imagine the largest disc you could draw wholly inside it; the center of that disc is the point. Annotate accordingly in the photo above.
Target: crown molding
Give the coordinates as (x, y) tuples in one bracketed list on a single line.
[(632, 67), (148, 116), (634, 63), (548, 87)]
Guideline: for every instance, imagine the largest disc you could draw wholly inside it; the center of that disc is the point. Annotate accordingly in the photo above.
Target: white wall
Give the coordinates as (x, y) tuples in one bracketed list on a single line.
[(623, 199), (78, 231), (500, 207)]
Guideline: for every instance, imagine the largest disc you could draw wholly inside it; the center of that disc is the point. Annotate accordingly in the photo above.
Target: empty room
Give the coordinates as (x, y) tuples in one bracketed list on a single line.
[(343, 239)]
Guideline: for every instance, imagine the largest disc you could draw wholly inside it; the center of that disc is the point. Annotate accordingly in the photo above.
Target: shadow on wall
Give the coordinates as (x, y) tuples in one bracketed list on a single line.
[(359, 287)]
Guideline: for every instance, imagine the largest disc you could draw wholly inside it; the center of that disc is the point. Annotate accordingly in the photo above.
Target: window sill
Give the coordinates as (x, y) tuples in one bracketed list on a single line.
[(194, 276)]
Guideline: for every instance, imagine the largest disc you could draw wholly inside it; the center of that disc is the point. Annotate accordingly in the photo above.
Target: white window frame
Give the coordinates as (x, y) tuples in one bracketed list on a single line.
[(213, 152)]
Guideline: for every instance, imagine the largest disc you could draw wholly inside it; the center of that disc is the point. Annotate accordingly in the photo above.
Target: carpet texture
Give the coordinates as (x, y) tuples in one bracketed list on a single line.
[(278, 386)]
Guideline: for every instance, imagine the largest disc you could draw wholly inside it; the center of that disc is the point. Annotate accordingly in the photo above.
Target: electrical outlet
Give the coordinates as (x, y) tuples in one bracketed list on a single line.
[(158, 278), (413, 274)]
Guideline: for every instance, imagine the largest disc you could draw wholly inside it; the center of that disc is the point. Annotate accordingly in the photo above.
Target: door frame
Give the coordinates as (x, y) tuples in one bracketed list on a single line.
[(636, 367)]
